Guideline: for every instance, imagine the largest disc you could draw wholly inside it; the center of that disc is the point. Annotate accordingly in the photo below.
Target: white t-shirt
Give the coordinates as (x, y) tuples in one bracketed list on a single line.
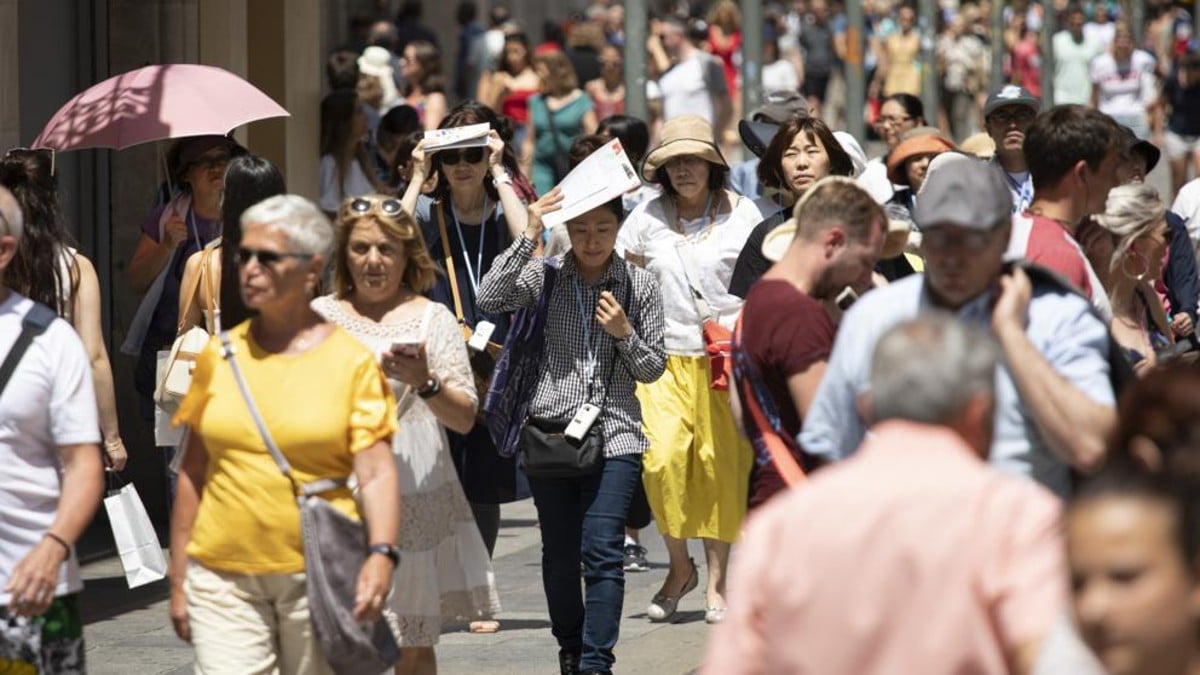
[(50, 402), (354, 184), (1072, 60), (1187, 205), (645, 233), (1124, 94), (691, 86), (780, 76)]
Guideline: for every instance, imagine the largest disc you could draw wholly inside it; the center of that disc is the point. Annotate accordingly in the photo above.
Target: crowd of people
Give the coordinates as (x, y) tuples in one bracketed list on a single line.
[(947, 390)]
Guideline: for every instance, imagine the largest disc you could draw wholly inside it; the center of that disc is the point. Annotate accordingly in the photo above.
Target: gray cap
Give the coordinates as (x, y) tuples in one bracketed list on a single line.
[(974, 195)]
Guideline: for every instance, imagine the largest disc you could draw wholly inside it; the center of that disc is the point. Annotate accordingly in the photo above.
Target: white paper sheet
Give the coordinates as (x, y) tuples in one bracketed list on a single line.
[(471, 136), (605, 175)]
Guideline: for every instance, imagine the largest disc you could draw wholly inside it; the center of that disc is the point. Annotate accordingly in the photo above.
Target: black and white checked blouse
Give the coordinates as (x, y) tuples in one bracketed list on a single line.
[(515, 281)]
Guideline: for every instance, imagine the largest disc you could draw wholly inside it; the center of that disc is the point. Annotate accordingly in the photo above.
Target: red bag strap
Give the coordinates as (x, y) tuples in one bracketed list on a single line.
[(789, 470)]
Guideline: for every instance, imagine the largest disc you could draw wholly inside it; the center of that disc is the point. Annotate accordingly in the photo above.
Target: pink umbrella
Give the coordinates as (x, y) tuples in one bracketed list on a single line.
[(156, 103)]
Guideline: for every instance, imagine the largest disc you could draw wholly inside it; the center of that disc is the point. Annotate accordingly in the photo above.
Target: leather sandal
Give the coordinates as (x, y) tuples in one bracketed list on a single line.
[(662, 607)]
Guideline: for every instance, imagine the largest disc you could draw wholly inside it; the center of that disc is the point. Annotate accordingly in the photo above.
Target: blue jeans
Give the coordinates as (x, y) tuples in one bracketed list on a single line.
[(583, 519)]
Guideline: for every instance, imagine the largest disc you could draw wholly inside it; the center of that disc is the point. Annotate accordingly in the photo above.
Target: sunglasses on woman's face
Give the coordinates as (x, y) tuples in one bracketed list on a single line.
[(363, 205), (452, 157), (244, 255)]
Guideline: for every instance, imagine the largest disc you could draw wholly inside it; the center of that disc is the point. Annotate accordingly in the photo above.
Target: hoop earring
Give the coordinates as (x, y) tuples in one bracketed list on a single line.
[(1145, 265)]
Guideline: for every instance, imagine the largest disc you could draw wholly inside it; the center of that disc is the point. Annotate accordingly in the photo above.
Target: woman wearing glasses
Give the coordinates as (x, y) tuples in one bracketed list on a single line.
[(474, 212), (238, 588), (898, 114), (173, 232), (381, 271), (49, 270)]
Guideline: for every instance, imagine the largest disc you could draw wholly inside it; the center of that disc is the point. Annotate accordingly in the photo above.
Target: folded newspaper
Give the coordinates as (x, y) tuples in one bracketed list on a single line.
[(605, 175), (471, 136)]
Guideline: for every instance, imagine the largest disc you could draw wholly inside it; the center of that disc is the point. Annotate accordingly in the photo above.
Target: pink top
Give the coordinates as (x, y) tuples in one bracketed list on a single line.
[(913, 556)]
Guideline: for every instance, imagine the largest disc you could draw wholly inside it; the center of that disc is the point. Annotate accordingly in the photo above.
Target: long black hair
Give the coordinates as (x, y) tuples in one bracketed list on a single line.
[(248, 180), (37, 271)]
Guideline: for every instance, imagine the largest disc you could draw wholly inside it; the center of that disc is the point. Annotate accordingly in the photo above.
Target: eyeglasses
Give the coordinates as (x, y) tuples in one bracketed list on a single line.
[(210, 162), (882, 121), (937, 238), (18, 153), (452, 157), (244, 255), (360, 206), (1011, 117)]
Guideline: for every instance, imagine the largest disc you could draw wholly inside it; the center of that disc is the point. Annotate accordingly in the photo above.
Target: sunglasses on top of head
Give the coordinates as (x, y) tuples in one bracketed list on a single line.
[(361, 206), (452, 157)]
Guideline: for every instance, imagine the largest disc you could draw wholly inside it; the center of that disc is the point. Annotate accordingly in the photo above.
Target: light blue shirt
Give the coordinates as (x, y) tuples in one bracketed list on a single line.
[(1063, 328), (743, 179)]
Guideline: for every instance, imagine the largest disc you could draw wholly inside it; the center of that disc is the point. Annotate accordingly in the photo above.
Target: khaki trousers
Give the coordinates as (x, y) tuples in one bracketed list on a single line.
[(251, 624)]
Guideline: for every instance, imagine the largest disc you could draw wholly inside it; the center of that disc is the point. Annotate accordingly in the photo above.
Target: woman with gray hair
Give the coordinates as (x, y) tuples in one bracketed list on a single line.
[(238, 588), (1131, 258)]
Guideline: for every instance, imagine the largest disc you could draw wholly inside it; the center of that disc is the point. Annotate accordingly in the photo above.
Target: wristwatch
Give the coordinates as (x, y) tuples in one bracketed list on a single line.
[(392, 552), (431, 388), (500, 176)]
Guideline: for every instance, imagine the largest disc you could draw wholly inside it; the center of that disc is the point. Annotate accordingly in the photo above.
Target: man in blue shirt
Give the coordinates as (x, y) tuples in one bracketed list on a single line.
[(1054, 400)]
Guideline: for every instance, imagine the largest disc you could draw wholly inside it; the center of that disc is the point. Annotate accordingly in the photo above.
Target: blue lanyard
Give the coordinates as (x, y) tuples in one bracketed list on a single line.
[(1024, 191), (474, 274), (585, 318)]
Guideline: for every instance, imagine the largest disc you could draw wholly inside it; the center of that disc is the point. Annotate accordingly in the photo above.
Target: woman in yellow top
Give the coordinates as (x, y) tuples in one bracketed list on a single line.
[(238, 589), (898, 69)]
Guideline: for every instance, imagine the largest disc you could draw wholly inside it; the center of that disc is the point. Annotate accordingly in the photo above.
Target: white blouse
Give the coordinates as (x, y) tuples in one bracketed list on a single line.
[(645, 233)]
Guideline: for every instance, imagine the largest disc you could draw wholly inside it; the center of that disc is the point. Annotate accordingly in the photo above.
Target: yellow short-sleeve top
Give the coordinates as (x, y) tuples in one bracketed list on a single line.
[(322, 407)]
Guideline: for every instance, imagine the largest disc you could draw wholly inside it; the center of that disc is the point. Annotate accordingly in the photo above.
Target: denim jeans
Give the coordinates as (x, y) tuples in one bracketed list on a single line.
[(583, 520)]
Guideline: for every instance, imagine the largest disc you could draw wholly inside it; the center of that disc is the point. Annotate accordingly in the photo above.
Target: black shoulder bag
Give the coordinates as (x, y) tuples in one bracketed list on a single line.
[(546, 452), (561, 164)]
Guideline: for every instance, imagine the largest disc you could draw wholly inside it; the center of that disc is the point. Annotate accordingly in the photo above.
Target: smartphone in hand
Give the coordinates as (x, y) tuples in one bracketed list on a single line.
[(409, 349)]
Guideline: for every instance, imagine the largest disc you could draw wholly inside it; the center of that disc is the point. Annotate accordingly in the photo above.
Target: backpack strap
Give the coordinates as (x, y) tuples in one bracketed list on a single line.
[(36, 321)]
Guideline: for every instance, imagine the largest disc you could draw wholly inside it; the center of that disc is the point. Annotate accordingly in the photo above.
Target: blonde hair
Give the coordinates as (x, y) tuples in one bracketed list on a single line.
[(420, 272), (1130, 213)]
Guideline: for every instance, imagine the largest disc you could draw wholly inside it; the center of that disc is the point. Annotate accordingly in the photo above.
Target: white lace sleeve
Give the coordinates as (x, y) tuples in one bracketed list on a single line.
[(447, 352)]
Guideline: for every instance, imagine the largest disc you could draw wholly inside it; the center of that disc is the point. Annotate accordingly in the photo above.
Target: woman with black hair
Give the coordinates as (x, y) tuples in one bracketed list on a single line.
[(634, 135), (801, 153), (47, 269), (607, 313), (248, 180), (474, 212), (898, 113), (172, 233)]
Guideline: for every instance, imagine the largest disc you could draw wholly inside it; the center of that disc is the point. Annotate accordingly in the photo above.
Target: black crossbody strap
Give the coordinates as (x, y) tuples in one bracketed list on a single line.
[(36, 321)]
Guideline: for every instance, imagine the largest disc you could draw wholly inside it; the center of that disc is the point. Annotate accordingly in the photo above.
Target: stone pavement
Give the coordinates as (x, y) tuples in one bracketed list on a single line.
[(128, 632)]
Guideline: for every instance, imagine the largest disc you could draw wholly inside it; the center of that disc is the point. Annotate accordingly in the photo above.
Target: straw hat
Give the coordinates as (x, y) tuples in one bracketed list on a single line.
[(776, 243), (926, 144), (682, 136)]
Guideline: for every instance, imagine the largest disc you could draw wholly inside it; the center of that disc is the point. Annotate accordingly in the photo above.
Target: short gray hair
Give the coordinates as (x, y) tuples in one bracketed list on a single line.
[(1131, 212), (305, 226), (927, 369), (12, 220)]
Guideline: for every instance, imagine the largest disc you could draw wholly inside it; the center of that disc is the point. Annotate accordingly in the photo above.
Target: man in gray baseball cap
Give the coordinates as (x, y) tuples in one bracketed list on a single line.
[(1006, 115), (1054, 400)]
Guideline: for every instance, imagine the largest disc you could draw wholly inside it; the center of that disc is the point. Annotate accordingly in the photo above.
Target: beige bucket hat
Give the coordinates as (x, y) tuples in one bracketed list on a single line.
[(682, 136)]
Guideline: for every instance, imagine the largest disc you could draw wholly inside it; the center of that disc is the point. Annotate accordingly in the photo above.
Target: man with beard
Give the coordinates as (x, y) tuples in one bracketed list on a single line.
[(1054, 397), (786, 334), (1007, 114)]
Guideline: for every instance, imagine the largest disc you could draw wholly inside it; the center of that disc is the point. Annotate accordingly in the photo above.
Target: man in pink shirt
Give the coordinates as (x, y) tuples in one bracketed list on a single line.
[(1072, 153), (912, 556)]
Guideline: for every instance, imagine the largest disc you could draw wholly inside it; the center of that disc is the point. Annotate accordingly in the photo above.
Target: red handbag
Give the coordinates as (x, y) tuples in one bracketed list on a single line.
[(718, 344)]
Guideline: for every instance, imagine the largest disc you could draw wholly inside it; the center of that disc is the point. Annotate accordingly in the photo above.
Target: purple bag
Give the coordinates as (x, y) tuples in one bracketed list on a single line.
[(516, 374)]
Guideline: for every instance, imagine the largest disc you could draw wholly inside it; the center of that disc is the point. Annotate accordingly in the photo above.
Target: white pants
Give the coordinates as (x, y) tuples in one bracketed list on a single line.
[(251, 624)]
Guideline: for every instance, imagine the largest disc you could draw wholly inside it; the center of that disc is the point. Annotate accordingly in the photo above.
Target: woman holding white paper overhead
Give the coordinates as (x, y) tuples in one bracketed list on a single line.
[(697, 468), (474, 212)]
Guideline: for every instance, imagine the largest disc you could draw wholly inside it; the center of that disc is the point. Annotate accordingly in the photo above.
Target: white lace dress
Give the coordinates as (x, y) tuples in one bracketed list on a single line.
[(445, 573)]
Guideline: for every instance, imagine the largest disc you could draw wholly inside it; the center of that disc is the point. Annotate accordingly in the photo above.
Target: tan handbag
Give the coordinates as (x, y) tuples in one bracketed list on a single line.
[(176, 377)]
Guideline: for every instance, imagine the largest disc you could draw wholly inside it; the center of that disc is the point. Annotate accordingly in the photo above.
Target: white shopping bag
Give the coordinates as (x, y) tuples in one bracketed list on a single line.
[(137, 543)]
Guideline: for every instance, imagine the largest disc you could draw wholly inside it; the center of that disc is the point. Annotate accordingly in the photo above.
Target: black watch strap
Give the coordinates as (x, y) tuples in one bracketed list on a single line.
[(432, 387), (392, 552)]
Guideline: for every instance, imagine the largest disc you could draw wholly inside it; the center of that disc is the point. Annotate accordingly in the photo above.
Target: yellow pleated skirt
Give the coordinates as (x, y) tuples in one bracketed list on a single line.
[(697, 469)]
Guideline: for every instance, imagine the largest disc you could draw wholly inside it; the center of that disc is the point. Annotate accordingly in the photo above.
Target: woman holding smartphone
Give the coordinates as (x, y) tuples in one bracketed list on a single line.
[(381, 271)]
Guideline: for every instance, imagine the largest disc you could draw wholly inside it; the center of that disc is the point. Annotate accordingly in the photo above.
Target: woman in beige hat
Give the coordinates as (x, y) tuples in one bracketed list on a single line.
[(698, 465)]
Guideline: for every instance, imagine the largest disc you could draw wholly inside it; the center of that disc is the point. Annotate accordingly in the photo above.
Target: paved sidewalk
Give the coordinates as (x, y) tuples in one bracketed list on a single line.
[(128, 632)]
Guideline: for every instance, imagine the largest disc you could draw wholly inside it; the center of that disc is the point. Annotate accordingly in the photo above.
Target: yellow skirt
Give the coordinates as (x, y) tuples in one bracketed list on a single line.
[(697, 470)]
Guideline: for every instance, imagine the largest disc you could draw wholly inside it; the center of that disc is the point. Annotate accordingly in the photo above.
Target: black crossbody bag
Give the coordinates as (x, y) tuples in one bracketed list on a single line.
[(546, 452)]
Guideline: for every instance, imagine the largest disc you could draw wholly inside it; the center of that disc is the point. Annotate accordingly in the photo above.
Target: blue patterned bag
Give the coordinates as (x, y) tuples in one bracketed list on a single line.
[(516, 374)]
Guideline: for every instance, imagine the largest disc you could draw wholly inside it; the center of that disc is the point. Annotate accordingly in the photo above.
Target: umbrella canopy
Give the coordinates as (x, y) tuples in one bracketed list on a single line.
[(155, 103)]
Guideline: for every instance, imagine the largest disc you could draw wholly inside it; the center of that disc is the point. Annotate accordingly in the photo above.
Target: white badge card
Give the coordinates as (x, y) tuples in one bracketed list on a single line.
[(481, 335), (582, 423)]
